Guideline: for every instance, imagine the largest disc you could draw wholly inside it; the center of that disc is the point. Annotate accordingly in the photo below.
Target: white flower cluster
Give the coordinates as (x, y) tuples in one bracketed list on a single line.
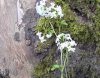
[(65, 41), (42, 38), (52, 11)]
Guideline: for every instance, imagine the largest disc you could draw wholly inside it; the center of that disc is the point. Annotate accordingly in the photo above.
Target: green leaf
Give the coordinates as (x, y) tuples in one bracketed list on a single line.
[(63, 22), (98, 0), (54, 67)]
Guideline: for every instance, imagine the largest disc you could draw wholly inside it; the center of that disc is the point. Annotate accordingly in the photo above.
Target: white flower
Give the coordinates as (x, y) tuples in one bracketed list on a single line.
[(53, 15), (38, 9), (68, 37), (48, 35), (52, 4), (72, 43), (62, 46), (52, 11), (43, 2), (66, 43), (41, 38), (39, 34), (70, 49), (59, 11), (60, 35)]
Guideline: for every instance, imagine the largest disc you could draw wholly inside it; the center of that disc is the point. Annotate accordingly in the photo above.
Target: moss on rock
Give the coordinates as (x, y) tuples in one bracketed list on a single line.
[(42, 70), (43, 47)]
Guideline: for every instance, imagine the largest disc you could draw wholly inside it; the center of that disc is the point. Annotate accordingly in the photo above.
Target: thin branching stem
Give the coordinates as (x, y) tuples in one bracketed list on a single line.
[(53, 29)]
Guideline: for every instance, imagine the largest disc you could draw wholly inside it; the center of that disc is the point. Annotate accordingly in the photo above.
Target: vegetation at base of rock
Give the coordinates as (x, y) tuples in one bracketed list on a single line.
[(86, 32), (42, 48), (42, 70)]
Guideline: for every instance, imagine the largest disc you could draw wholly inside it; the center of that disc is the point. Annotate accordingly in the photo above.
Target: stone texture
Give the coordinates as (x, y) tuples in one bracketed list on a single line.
[(14, 54)]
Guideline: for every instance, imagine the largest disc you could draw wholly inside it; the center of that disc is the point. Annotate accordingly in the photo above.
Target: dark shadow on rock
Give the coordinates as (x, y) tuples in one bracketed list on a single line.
[(4, 74), (29, 20), (17, 36)]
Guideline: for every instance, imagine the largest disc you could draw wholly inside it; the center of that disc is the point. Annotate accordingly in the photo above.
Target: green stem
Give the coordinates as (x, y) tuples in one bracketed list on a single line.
[(66, 60), (53, 28), (61, 74), (61, 64), (58, 26), (61, 58), (66, 73), (44, 26)]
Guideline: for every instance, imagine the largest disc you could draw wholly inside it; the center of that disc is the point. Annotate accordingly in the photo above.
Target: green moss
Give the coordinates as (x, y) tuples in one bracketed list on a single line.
[(96, 30), (97, 27), (42, 70), (83, 7), (43, 46)]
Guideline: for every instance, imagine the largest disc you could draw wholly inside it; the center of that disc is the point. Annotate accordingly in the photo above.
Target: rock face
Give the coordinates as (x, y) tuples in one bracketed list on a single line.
[(15, 56)]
